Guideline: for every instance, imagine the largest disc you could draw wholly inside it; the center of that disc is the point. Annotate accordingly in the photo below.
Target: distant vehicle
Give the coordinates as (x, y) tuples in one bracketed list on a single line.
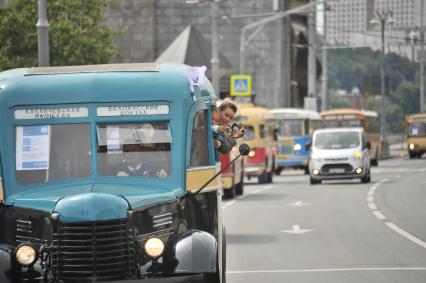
[(339, 153), (294, 132), (348, 117), (416, 135), (260, 136)]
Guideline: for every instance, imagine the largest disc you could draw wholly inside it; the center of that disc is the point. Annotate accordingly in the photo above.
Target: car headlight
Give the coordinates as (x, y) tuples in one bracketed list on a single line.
[(297, 147), (412, 146), (358, 154), (252, 153), (154, 247), (26, 254)]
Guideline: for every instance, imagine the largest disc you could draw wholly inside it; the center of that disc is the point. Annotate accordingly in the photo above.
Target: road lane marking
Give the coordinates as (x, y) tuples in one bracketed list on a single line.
[(231, 202), (382, 217), (298, 203), (326, 270), (296, 230)]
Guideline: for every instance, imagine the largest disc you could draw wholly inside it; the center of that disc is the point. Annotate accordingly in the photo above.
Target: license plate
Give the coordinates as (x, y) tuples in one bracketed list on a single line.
[(337, 170)]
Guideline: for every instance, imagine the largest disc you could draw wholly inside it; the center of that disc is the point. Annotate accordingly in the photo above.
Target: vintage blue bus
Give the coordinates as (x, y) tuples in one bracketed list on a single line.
[(295, 128), (101, 170)]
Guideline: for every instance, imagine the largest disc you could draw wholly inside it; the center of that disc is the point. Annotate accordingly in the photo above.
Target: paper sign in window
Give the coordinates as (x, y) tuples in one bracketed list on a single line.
[(32, 147)]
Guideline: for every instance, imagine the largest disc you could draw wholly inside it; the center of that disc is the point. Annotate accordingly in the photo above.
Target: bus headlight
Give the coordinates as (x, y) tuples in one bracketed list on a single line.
[(411, 146), (297, 147), (252, 153), (154, 247), (358, 154), (26, 254)]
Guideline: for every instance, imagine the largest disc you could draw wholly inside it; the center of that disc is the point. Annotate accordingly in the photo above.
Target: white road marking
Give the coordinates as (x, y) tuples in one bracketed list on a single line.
[(256, 191), (296, 230), (298, 203), (326, 270), (406, 234), (390, 224), (267, 187)]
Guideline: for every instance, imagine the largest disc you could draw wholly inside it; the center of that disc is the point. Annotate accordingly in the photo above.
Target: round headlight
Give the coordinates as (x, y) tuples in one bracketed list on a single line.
[(411, 146), (252, 153), (358, 170), (154, 247), (297, 147), (316, 172), (26, 254)]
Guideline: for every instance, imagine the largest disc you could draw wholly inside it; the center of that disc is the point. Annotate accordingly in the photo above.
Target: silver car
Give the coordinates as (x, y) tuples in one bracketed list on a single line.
[(339, 153)]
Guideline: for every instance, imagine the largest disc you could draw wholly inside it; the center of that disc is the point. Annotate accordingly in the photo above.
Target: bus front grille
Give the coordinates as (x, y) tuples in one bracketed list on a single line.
[(93, 251)]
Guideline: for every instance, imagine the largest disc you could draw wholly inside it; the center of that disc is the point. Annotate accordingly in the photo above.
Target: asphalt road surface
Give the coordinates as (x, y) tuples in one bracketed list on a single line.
[(338, 231)]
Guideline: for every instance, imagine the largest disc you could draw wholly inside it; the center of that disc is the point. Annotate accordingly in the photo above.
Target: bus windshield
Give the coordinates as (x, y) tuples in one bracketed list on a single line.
[(291, 127), (134, 149), (417, 129), (344, 123), (52, 152), (337, 140)]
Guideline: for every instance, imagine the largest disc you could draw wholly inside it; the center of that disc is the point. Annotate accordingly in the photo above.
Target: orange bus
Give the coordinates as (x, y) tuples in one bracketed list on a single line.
[(416, 134), (349, 117), (260, 136)]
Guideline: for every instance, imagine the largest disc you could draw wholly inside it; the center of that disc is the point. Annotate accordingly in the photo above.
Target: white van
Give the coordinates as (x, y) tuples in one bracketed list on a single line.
[(339, 153)]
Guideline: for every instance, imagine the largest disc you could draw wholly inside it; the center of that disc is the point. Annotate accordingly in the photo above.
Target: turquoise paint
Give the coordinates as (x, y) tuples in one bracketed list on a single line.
[(96, 197), (91, 202)]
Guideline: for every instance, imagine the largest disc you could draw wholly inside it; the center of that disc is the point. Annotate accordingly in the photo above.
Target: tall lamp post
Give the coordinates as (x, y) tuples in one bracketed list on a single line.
[(383, 18), (43, 34)]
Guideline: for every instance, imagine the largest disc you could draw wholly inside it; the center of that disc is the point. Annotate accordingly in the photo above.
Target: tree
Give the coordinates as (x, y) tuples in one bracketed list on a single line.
[(77, 34)]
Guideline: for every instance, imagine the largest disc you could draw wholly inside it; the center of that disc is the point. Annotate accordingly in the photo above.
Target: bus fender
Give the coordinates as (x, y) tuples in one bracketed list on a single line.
[(193, 251)]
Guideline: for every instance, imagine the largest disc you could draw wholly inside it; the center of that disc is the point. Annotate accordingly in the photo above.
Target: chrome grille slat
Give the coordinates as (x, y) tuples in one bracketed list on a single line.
[(93, 250)]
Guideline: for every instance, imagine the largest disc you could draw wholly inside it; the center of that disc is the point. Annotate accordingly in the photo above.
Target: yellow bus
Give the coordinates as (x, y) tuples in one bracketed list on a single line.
[(416, 134), (349, 117), (260, 136)]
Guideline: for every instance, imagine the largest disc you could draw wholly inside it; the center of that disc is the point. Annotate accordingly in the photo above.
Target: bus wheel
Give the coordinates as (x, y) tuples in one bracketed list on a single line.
[(412, 155), (269, 177), (278, 170), (229, 193), (306, 170), (262, 178), (239, 188)]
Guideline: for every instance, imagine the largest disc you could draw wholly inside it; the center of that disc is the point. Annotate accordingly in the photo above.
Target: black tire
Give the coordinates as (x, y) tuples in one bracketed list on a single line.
[(306, 170), (229, 193), (262, 178), (270, 177), (419, 155), (367, 178), (278, 170), (412, 155), (239, 188), (314, 182), (374, 162)]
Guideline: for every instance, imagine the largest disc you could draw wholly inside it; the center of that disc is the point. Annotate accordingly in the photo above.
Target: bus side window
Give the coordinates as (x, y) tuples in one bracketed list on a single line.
[(1, 184), (199, 151)]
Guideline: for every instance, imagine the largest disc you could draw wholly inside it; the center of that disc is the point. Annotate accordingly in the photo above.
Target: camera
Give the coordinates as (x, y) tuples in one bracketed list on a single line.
[(235, 127)]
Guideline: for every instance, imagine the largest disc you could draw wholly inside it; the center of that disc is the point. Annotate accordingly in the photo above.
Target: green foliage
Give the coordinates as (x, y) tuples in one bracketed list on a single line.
[(349, 68), (76, 33)]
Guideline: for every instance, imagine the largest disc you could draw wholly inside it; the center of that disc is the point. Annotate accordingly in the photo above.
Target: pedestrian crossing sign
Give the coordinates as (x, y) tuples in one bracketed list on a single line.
[(241, 85)]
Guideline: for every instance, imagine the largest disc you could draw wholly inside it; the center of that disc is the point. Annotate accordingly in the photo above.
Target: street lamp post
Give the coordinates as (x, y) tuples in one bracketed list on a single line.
[(43, 34), (383, 18), (215, 61)]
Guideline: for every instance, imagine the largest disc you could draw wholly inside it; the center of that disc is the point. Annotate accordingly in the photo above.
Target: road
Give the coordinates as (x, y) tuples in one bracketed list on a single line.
[(339, 231)]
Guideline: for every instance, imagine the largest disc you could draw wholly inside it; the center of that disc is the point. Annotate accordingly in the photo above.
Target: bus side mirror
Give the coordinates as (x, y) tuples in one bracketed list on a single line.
[(367, 145), (244, 149), (308, 146)]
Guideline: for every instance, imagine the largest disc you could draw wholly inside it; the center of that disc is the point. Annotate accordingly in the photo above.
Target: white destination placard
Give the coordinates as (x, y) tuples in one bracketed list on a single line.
[(132, 110), (32, 147), (51, 113)]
